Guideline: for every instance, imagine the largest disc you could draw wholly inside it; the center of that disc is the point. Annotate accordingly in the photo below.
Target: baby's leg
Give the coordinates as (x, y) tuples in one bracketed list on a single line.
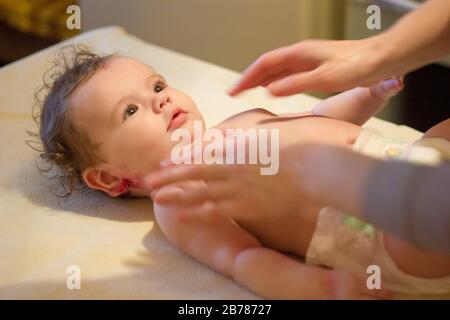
[(276, 276), (360, 104), (415, 261)]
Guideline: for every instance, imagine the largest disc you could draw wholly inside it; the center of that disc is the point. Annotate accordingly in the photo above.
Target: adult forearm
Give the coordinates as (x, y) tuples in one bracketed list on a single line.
[(419, 38), (340, 179), (410, 201)]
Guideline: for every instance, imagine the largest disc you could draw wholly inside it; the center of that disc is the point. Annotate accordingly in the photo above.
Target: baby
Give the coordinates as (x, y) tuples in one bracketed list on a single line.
[(106, 122)]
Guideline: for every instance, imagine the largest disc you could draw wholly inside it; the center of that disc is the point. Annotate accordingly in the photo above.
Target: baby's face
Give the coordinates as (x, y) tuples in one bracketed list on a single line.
[(130, 112)]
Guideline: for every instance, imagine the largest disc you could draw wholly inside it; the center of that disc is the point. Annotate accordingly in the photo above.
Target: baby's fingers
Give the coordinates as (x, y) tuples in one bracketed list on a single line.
[(387, 88)]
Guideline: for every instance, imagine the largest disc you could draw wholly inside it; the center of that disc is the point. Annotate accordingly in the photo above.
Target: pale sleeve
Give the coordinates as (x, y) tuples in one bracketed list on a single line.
[(410, 201)]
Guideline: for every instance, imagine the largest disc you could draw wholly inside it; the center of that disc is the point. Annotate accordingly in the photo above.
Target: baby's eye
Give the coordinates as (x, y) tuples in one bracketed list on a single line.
[(159, 86), (129, 111)]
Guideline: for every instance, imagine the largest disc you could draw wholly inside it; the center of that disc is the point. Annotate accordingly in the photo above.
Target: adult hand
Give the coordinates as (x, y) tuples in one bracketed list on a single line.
[(309, 174), (318, 65), (236, 188)]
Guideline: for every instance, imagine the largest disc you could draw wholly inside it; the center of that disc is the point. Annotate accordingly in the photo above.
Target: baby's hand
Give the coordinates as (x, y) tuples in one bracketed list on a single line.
[(387, 88)]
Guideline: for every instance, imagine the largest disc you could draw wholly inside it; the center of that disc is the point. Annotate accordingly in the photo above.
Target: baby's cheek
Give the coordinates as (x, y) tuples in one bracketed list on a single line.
[(146, 154)]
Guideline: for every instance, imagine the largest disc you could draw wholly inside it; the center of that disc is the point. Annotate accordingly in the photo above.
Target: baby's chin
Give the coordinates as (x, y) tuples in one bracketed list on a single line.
[(192, 119)]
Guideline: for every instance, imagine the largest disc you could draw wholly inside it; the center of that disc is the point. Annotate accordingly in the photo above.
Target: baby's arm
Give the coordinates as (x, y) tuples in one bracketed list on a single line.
[(440, 130), (359, 104), (220, 243)]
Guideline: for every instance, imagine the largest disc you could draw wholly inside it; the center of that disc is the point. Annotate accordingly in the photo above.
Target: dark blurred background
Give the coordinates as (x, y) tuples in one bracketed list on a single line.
[(425, 100), (27, 26)]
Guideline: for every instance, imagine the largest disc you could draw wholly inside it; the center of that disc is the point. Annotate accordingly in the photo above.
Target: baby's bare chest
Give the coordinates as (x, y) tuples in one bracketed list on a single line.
[(292, 129)]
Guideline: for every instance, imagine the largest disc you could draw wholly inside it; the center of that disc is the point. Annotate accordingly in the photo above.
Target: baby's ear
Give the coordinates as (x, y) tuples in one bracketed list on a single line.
[(101, 180)]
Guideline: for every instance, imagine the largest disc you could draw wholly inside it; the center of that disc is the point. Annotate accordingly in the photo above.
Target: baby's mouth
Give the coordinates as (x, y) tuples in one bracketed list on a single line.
[(177, 119)]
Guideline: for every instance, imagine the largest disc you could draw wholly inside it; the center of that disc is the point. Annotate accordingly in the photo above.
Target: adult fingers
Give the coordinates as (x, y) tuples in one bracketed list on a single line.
[(277, 64), (225, 207), (194, 196), (267, 65), (294, 84), (173, 174), (274, 77)]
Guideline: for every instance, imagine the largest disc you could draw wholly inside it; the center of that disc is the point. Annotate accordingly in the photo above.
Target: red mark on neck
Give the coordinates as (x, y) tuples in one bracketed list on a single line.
[(125, 184)]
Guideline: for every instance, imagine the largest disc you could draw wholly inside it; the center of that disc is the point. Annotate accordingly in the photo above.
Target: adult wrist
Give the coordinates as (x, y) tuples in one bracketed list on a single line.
[(318, 173), (385, 59), (335, 176)]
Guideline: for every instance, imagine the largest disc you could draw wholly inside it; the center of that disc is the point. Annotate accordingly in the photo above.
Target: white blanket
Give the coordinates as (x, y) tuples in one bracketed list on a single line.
[(116, 243)]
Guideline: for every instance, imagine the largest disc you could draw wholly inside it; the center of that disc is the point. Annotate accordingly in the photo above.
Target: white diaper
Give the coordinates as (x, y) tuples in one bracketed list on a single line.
[(341, 241), (425, 151)]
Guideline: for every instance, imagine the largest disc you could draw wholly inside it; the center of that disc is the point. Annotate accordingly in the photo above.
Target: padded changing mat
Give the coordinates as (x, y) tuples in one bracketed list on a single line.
[(121, 252)]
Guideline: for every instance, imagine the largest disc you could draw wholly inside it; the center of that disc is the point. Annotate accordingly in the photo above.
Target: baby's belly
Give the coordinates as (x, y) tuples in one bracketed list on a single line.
[(292, 235)]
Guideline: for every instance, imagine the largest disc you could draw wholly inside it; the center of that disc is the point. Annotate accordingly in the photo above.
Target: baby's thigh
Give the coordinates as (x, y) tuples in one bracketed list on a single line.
[(415, 261)]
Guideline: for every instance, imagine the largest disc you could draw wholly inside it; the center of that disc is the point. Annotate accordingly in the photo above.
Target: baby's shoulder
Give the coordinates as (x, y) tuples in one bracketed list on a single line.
[(245, 118), (255, 112)]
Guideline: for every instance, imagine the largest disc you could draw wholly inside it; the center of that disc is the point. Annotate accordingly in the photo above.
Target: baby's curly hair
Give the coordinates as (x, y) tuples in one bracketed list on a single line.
[(62, 143)]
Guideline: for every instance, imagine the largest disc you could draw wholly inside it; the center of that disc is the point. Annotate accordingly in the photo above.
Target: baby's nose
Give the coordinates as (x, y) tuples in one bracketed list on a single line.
[(161, 102)]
